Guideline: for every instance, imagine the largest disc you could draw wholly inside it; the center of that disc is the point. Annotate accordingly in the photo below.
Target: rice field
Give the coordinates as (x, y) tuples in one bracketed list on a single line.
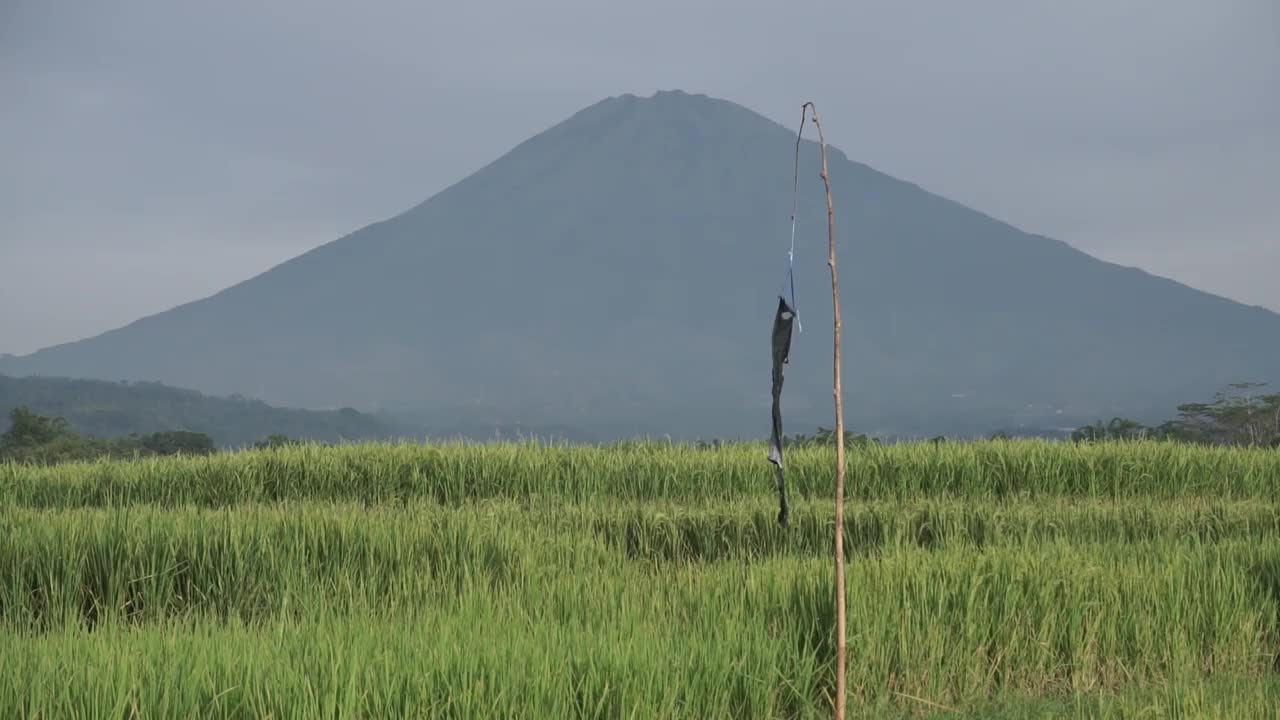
[(1007, 579)]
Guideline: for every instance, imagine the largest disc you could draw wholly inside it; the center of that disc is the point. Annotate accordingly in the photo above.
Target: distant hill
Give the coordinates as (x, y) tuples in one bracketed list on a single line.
[(618, 273), (112, 410)]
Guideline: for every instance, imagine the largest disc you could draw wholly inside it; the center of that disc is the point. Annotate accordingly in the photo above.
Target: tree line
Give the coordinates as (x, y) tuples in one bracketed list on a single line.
[(1240, 415), (104, 409), (39, 439)]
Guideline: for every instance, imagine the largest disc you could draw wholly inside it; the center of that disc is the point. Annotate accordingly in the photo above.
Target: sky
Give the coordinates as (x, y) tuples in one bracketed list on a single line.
[(154, 152)]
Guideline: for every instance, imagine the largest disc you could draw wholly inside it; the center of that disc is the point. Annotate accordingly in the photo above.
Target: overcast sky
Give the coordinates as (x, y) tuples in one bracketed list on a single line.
[(153, 152)]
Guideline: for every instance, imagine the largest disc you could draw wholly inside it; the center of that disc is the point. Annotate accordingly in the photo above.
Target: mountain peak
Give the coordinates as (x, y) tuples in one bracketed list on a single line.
[(671, 107), (673, 95)]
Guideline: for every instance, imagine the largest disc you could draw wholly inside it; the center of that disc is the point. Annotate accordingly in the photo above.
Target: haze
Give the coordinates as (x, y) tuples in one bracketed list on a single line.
[(154, 154)]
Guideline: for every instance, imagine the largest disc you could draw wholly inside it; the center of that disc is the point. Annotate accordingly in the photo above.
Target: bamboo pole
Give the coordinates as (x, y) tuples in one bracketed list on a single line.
[(836, 392)]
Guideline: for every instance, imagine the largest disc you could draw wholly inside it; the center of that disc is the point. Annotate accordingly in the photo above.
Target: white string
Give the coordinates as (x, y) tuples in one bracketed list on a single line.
[(791, 273), (795, 193)]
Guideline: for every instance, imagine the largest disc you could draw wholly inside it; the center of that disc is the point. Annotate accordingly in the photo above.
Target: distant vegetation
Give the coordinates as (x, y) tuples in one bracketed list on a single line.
[(33, 438), (1239, 416), (37, 439), (119, 410), (1242, 415)]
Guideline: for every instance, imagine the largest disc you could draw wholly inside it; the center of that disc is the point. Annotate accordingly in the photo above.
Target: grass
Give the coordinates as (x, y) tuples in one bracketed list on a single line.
[(1003, 579), (457, 474)]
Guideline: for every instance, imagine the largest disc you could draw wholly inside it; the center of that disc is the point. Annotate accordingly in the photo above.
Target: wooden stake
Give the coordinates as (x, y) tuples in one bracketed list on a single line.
[(835, 391)]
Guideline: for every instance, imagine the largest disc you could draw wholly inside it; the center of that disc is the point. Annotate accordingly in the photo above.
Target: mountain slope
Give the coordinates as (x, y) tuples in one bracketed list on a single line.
[(621, 268), (110, 410)]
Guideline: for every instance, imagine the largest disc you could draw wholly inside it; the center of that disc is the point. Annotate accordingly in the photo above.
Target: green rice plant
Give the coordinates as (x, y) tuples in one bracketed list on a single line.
[(1088, 608), (456, 474), (947, 627), (1002, 579), (747, 530), (144, 564)]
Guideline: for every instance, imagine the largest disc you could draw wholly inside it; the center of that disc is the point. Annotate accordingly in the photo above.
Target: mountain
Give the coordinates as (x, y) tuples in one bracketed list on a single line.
[(111, 410), (620, 271)]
